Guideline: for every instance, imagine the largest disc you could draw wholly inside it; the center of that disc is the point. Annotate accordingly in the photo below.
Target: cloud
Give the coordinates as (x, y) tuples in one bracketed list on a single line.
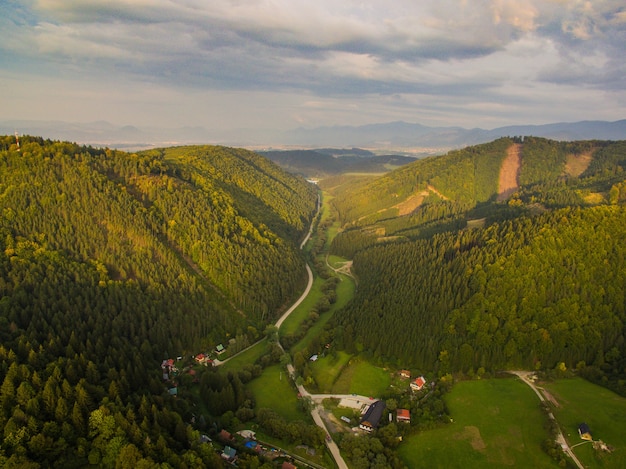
[(401, 53)]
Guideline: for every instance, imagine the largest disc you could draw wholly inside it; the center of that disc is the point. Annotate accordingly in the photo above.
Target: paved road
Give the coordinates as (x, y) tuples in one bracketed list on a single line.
[(316, 398), (560, 438), (297, 303)]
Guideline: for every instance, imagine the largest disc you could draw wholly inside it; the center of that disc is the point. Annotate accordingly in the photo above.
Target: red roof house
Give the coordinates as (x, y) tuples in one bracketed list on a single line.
[(403, 415), (418, 383)]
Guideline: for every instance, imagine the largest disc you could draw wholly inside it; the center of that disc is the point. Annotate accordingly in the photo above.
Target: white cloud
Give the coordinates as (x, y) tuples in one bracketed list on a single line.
[(400, 59)]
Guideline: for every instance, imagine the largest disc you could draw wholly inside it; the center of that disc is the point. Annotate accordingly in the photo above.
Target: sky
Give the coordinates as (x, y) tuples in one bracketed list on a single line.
[(283, 64)]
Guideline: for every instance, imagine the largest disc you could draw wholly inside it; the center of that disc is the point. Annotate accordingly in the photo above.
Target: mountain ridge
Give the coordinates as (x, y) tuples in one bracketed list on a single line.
[(383, 136)]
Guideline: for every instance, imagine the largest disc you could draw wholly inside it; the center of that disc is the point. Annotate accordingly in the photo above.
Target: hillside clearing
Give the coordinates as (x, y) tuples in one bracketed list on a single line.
[(575, 165), (509, 172)]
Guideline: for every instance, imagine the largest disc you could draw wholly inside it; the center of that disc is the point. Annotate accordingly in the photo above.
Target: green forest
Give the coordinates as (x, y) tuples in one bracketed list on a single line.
[(117, 269), (467, 283), (111, 262)]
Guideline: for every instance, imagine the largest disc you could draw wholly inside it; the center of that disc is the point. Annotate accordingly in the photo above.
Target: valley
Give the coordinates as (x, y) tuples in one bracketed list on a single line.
[(512, 259)]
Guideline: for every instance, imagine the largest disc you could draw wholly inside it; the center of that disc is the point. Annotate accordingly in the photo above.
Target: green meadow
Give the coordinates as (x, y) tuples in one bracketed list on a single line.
[(273, 390), (327, 369), (301, 313), (346, 374), (496, 423), (363, 378), (604, 411), (249, 356)]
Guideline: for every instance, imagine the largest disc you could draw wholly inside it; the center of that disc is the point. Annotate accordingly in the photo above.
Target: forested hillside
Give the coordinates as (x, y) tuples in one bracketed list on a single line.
[(465, 281), (111, 262)]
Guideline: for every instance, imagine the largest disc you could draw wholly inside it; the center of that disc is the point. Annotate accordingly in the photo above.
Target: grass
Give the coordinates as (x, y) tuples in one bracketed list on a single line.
[(273, 390), (496, 423), (345, 291), (248, 357), (301, 313), (605, 413), (361, 377), (321, 457), (327, 369)]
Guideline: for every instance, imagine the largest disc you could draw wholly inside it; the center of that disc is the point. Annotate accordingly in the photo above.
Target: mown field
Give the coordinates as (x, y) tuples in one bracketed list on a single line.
[(604, 411), (496, 423)]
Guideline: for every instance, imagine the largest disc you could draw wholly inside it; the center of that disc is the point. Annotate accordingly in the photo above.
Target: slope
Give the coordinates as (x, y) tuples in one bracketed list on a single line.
[(110, 262), (540, 281)]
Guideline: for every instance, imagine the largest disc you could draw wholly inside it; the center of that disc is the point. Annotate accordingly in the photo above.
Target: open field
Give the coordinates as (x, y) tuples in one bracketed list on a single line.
[(301, 313), (496, 423), (273, 390), (248, 357), (319, 457), (605, 413), (327, 369), (345, 291), (361, 377)]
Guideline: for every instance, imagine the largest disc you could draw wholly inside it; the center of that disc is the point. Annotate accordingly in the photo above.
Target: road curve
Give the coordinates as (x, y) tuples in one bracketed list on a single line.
[(302, 297)]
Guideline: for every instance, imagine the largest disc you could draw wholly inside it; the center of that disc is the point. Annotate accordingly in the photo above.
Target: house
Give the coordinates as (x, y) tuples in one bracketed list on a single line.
[(220, 349), (314, 358), (372, 416), (229, 454), (405, 374), (403, 415), (168, 367), (203, 359), (418, 383), (288, 465), (173, 391), (225, 436), (584, 432)]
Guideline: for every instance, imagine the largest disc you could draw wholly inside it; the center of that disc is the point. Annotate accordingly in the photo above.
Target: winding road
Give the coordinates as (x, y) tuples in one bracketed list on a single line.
[(315, 398), (560, 438)]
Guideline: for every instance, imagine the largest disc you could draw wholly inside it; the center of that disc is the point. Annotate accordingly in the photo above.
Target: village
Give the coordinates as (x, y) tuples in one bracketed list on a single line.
[(370, 411)]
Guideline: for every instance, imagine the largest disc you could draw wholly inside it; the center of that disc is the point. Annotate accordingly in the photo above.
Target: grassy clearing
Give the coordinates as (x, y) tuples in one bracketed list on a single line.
[(345, 292), (248, 357), (605, 413), (327, 369), (361, 377), (496, 423), (301, 313), (321, 457), (273, 390)]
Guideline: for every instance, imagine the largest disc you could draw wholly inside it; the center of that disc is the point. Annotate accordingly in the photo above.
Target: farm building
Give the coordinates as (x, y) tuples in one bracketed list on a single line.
[(372, 416), (585, 432), (403, 415)]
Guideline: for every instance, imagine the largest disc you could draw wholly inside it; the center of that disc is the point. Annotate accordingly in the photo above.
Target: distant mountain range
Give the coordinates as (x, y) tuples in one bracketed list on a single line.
[(388, 136)]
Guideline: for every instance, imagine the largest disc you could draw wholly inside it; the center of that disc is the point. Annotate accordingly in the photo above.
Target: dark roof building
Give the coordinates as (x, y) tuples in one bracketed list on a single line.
[(584, 432), (372, 416)]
